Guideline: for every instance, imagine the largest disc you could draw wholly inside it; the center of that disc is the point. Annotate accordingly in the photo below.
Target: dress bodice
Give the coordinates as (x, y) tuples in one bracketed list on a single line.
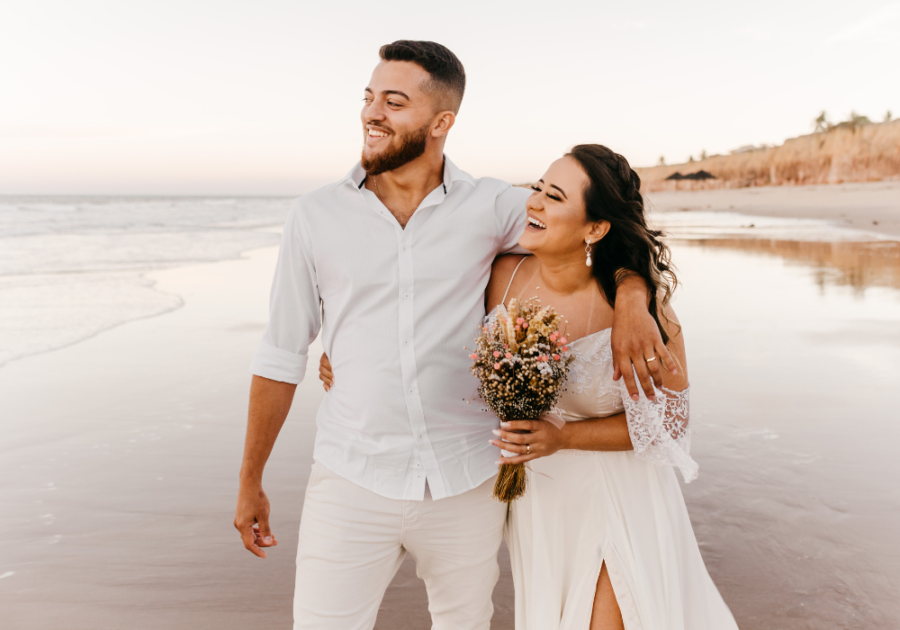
[(590, 391), (659, 428)]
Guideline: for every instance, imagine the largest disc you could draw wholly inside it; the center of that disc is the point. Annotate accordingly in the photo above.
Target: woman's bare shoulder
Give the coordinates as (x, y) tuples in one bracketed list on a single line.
[(506, 265), (501, 272)]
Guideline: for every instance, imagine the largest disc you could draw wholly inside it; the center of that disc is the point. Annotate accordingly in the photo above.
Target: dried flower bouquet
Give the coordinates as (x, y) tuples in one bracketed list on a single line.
[(521, 360)]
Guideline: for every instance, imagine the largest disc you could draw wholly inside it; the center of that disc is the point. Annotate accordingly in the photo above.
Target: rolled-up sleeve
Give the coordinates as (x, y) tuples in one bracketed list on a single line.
[(294, 312), (511, 218)]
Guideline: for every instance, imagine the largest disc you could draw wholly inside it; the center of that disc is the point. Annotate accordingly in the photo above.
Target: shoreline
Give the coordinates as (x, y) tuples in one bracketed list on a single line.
[(866, 207), (158, 301), (869, 206)]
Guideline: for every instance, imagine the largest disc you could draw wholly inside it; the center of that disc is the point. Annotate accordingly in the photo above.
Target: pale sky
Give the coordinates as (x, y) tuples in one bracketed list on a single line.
[(263, 97)]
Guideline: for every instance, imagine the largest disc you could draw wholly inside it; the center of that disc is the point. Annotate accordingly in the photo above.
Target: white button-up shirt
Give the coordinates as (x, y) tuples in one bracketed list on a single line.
[(395, 307)]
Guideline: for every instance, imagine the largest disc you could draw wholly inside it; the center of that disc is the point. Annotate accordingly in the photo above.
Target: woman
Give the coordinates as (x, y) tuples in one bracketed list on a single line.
[(601, 538)]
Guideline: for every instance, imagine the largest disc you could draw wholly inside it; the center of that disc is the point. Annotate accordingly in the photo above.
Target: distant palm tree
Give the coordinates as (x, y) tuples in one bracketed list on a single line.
[(662, 160), (888, 116), (703, 154), (822, 123)]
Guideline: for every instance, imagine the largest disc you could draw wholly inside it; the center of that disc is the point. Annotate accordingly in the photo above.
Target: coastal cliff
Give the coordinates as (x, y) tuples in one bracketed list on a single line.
[(844, 153)]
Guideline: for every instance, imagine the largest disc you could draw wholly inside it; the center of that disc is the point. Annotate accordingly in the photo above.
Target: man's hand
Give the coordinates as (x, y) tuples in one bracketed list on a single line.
[(325, 373), (636, 338), (251, 519), (270, 402)]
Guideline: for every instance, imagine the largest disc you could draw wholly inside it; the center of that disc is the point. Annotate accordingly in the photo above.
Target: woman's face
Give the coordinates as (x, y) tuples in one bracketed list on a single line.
[(557, 222)]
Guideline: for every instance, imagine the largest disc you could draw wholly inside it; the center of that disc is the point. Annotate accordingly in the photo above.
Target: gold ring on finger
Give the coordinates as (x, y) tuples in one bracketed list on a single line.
[(528, 449), (650, 359)]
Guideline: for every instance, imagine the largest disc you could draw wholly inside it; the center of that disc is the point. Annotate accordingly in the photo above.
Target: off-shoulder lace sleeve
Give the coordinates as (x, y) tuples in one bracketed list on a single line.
[(660, 430)]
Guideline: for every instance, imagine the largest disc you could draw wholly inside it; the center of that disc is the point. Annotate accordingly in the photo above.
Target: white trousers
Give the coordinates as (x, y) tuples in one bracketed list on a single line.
[(352, 542)]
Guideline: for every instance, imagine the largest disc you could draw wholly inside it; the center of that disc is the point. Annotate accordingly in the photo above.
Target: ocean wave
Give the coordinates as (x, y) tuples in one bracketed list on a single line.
[(72, 268)]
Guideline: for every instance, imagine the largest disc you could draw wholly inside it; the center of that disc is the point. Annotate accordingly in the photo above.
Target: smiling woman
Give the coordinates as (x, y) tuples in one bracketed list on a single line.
[(601, 538)]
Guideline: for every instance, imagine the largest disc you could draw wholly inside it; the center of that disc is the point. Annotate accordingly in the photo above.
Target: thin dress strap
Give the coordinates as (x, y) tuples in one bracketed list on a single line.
[(513, 277)]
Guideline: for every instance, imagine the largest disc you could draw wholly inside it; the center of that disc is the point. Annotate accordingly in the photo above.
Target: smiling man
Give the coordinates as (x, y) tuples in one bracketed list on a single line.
[(390, 264)]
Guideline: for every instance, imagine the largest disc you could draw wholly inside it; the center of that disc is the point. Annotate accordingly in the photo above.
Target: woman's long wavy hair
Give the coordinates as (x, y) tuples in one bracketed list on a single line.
[(630, 247)]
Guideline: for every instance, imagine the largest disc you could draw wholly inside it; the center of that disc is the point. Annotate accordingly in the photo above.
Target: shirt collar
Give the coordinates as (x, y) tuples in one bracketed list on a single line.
[(452, 173)]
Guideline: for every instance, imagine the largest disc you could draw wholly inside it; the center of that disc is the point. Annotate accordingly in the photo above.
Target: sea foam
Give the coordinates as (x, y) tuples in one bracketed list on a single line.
[(73, 267)]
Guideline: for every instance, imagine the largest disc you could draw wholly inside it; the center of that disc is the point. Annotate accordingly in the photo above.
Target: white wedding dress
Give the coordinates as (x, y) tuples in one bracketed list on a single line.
[(584, 508)]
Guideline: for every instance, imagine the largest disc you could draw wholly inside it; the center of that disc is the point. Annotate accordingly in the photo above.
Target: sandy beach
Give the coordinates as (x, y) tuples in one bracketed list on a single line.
[(118, 465), (871, 206)]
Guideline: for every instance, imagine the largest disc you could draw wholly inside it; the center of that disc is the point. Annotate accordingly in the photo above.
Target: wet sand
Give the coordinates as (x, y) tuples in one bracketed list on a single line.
[(119, 457), (118, 473), (873, 206)]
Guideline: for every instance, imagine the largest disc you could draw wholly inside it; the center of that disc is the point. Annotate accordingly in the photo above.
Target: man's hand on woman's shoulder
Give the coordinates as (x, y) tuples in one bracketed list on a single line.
[(636, 338)]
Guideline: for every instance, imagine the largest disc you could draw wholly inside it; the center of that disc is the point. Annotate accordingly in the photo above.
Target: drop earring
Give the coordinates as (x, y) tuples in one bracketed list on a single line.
[(587, 250)]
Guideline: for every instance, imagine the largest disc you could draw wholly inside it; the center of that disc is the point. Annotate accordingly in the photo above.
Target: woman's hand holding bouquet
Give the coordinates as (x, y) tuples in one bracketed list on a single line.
[(526, 440)]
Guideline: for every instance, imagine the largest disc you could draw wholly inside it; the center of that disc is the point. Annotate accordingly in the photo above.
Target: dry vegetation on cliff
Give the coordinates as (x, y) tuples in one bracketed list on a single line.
[(844, 153)]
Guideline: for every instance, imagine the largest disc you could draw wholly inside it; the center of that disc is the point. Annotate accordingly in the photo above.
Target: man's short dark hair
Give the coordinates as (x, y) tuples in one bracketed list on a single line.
[(446, 70)]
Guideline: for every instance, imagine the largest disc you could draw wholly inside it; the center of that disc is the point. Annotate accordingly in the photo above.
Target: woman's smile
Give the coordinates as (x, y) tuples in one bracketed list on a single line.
[(535, 224)]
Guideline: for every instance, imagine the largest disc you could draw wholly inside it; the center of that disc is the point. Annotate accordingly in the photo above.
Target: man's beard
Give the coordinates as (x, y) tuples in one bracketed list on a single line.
[(412, 145)]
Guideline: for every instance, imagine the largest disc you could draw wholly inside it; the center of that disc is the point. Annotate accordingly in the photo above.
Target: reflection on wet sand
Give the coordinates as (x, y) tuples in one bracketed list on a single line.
[(852, 264), (793, 397)]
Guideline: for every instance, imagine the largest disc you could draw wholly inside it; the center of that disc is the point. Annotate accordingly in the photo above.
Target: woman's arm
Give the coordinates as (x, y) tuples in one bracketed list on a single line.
[(660, 428), (677, 381), (596, 434)]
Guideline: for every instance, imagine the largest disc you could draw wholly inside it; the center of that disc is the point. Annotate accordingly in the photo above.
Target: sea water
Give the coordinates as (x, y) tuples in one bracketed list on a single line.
[(73, 267)]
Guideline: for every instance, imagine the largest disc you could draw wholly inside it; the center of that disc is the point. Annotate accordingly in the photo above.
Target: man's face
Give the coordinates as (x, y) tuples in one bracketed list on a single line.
[(397, 116)]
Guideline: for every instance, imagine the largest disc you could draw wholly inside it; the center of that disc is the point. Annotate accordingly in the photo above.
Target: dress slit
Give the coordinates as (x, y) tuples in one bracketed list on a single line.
[(621, 589), (578, 610)]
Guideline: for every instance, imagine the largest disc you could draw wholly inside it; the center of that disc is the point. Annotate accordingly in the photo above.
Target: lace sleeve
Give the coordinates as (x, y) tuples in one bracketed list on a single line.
[(659, 429)]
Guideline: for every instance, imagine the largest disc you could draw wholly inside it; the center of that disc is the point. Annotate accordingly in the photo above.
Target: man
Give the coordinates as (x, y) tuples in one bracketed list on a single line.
[(391, 264)]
